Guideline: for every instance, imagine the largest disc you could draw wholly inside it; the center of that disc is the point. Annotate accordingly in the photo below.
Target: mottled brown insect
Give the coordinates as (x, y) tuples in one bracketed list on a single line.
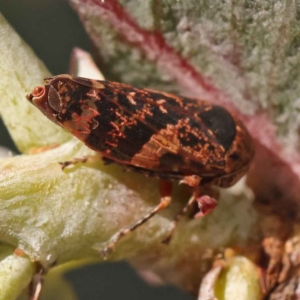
[(156, 133)]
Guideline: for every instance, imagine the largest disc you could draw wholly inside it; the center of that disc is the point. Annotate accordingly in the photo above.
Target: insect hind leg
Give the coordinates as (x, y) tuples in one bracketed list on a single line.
[(165, 191), (206, 204), (177, 218)]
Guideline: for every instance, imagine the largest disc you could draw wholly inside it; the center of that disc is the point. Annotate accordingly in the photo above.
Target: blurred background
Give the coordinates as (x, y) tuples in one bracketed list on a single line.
[(52, 29)]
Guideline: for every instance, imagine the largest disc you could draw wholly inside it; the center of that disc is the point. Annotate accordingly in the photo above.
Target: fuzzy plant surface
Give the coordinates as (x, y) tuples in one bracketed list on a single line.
[(240, 54), (54, 216)]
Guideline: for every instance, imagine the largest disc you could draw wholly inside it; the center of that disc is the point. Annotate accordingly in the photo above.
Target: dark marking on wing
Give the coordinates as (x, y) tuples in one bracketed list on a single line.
[(189, 140), (234, 156), (221, 123), (135, 138), (168, 160)]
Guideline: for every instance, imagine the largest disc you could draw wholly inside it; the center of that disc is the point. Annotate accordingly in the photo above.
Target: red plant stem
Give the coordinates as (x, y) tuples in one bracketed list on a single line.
[(156, 49), (154, 46)]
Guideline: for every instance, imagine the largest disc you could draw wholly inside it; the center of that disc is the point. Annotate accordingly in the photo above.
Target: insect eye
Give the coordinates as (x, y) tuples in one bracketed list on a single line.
[(54, 99)]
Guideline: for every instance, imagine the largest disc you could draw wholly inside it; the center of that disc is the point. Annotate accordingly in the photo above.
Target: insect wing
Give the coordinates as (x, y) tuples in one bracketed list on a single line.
[(146, 128)]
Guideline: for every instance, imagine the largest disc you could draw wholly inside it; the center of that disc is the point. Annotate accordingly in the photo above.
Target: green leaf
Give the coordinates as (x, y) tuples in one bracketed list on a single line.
[(20, 72), (15, 273)]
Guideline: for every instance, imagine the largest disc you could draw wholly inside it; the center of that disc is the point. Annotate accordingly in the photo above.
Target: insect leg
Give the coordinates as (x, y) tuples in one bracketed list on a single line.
[(178, 217), (205, 203), (74, 161), (165, 187), (36, 284)]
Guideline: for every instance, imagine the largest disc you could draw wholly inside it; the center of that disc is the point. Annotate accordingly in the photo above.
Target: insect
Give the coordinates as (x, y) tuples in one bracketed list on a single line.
[(153, 132)]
